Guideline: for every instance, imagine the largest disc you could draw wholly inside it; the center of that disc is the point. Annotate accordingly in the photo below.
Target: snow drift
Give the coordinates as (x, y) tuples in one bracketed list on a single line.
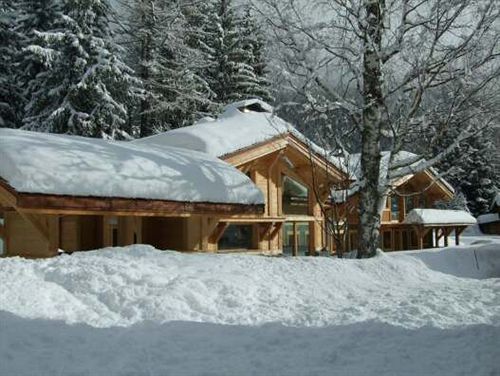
[(125, 286)]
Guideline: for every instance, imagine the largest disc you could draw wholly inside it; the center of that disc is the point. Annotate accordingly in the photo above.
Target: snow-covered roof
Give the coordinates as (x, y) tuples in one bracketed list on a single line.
[(439, 217), (78, 166), (241, 125), (488, 218), (353, 165)]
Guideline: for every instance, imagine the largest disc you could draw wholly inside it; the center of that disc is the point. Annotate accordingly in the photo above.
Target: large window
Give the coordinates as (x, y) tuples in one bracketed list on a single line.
[(237, 237), (295, 197), (395, 208), (302, 238)]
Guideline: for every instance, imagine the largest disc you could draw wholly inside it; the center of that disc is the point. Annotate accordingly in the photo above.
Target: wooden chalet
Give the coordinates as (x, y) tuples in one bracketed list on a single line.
[(246, 181), (403, 225), (74, 194), (293, 174)]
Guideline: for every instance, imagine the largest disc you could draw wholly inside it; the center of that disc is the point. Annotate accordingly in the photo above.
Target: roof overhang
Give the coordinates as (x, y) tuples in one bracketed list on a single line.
[(243, 156), (85, 205)]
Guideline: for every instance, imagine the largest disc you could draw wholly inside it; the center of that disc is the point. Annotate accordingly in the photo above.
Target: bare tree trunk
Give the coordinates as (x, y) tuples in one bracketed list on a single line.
[(371, 131)]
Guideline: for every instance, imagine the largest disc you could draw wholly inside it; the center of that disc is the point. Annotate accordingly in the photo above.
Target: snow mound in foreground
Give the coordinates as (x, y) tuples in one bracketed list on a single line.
[(123, 286)]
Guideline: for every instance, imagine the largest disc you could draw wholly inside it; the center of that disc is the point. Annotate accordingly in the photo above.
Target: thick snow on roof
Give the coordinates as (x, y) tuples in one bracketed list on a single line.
[(241, 125), (439, 217), (69, 165), (233, 130), (488, 218)]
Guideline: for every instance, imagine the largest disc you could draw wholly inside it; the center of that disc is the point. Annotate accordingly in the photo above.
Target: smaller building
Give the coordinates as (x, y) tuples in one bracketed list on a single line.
[(490, 223), (408, 219)]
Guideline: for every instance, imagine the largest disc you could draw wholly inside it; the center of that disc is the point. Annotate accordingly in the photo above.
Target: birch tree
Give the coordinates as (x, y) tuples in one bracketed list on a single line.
[(383, 63)]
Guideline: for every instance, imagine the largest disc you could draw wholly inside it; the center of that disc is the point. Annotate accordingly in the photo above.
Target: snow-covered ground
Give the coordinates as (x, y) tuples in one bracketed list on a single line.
[(138, 311)]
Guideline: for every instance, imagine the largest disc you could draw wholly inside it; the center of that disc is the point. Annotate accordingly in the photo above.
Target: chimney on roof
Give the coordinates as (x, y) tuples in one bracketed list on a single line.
[(250, 105)]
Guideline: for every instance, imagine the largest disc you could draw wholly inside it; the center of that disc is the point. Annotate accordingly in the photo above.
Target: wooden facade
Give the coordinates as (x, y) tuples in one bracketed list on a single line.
[(39, 225), (422, 190)]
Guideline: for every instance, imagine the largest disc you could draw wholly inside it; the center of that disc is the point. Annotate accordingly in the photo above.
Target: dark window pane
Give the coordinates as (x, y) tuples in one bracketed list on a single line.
[(236, 237)]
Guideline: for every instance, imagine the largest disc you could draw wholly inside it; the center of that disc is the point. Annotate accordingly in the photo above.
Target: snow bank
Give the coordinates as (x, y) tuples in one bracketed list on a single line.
[(124, 286), (479, 260), (163, 313), (439, 217), (69, 165)]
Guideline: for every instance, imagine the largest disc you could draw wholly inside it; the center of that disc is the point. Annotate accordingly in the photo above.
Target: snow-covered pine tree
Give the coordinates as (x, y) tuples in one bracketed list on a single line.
[(230, 49), (158, 50), (471, 169), (10, 93), (254, 42), (84, 85), (35, 16)]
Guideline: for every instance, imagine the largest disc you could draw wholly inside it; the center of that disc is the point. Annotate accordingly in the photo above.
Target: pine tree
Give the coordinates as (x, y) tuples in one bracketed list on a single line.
[(234, 53), (174, 92), (84, 85), (35, 16), (470, 169), (254, 42), (10, 94)]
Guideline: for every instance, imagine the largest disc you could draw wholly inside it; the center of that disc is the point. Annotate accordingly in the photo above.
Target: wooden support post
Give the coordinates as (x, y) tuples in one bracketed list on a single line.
[(420, 237), (458, 231), (107, 233), (54, 238), (295, 245), (446, 233), (315, 228), (218, 232), (436, 237), (265, 230)]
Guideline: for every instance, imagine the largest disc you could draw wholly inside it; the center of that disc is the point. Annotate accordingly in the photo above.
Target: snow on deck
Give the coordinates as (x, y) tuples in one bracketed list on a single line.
[(70, 165), (439, 217), (139, 311)]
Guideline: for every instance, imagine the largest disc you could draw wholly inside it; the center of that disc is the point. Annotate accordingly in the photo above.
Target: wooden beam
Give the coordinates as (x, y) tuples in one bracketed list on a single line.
[(458, 231), (38, 222), (295, 244), (7, 195), (249, 220), (218, 232), (253, 152), (446, 232), (77, 205), (2, 231), (277, 227), (265, 230)]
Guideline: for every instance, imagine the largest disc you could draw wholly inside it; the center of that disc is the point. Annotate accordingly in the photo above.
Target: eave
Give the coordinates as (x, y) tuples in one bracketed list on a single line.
[(87, 205)]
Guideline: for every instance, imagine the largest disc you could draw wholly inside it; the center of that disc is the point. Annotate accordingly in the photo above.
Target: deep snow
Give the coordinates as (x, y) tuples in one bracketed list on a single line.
[(72, 165), (136, 310)]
